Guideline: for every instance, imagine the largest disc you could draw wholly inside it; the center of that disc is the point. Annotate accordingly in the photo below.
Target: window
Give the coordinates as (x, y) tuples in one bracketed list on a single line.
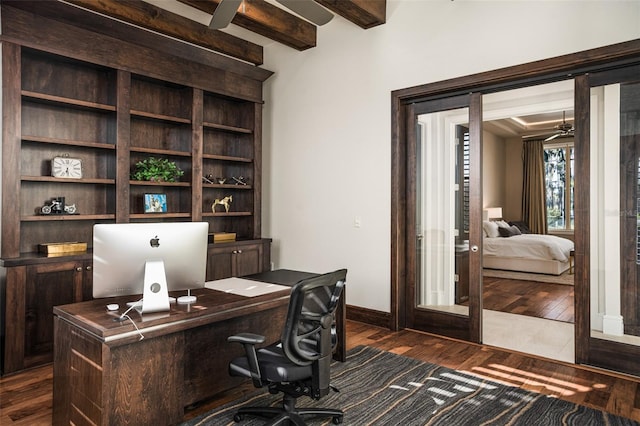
[(559, 169)]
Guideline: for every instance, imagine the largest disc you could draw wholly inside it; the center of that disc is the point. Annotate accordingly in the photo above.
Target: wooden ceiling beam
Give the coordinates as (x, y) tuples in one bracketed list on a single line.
[(364, 13), (267, 20), (160, 20)]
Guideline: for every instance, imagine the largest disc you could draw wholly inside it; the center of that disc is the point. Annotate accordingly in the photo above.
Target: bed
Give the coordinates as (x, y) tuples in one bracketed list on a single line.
[(512, 250)]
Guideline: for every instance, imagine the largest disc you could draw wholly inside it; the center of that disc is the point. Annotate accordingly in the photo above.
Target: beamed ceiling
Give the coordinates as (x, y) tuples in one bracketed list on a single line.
[(254, 16)]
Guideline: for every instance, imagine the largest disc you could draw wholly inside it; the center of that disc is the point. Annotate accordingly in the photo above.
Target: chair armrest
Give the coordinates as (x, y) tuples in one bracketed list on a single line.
[(249, 341), (245, 338)]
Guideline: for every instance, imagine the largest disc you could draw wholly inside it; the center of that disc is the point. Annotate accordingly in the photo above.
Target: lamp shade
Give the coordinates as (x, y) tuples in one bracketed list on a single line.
[(492, 213)]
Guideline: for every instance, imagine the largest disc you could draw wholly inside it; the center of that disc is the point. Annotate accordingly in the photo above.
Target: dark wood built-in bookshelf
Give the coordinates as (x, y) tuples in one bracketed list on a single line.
[(64, 96)]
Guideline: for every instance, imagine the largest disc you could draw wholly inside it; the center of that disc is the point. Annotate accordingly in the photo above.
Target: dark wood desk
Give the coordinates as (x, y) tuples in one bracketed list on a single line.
[(105, 374)]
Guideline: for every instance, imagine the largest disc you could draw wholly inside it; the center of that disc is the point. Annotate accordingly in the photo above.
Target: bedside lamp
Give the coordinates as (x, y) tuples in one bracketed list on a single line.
[(492, 213)]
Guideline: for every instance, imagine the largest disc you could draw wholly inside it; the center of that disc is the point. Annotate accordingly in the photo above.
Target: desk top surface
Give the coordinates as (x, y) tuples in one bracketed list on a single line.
[(210, 306)]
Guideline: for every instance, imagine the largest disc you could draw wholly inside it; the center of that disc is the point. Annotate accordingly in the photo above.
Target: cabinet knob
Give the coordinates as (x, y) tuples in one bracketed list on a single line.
[(79, 269), (89, 268), (474, 248)]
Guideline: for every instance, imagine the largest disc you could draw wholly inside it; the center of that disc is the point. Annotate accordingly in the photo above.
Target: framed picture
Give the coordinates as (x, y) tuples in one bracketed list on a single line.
[(155, 203)]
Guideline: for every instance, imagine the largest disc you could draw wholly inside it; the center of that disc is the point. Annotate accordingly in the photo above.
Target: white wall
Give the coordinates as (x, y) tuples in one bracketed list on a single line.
[(327, 137)]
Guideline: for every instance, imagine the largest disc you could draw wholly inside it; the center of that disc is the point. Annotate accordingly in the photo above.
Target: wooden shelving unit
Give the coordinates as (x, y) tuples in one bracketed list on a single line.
[(111, 113)]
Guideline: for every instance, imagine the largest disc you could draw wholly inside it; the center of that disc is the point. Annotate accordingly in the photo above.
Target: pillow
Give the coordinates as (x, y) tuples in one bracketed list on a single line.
[(522, 227), (509, 232), (502, 223), (491, 228)]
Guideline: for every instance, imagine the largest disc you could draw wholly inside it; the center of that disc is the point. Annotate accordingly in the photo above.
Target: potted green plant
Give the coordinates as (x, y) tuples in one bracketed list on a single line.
[(157, 170)]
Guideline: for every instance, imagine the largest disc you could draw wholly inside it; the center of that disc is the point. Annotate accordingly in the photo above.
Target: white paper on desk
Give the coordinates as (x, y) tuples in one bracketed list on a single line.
[(242, 287)]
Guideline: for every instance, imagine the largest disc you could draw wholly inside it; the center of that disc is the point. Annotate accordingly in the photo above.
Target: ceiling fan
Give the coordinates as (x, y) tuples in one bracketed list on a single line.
[(562, 129), (308, 9)]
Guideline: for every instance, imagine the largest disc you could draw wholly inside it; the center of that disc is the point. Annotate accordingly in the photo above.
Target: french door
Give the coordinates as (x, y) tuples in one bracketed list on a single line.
[(608, 236), (607, 201), (443, 216)]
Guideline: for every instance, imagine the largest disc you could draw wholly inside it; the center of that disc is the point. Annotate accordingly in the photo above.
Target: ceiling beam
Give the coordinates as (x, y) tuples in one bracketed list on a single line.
[(157, 19), (364, 13), (267, 20)]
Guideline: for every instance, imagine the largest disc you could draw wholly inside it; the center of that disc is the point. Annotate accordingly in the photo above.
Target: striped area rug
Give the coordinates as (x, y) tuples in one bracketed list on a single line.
[(381, 388)]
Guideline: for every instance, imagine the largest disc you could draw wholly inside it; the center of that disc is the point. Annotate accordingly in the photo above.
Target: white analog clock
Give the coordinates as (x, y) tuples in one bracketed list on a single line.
[(66, 167)]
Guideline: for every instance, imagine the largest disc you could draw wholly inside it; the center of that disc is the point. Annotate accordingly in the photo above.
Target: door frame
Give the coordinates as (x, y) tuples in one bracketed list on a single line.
[(538, 72)]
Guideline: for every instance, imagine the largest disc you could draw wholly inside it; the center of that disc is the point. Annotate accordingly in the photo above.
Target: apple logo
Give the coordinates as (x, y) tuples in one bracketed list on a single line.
[(155, 242)]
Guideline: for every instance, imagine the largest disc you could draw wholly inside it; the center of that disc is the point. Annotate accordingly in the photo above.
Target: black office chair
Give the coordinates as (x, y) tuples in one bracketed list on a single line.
[(300, 364)]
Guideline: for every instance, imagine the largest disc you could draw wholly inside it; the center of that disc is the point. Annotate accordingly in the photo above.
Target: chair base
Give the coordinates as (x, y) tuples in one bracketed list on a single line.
[(281, 416)]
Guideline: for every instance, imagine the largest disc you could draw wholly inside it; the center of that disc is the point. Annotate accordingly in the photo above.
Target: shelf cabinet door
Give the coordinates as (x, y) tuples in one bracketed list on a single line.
[(34, 290), (235, 261)]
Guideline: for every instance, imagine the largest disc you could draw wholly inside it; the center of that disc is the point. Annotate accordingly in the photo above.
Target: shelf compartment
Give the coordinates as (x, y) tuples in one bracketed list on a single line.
[(178, 199), (160, 100), (232, 145), (98, 165), (90, 199), (160, 135), (242, 226), (68, 81), (230, 114), (40, 120), (241, 205), (42, 231)]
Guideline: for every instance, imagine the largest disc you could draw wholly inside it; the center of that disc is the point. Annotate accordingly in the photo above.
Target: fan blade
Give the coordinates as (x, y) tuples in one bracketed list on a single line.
[(308, 9), (552, 137), (224, 13)]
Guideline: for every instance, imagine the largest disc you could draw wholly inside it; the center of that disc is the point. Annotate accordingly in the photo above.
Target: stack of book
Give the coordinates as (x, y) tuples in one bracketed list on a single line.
[(59, 249), (223, 237)]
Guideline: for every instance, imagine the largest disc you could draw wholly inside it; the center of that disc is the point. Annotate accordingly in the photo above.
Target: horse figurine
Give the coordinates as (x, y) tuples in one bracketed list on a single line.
[(226, 202)]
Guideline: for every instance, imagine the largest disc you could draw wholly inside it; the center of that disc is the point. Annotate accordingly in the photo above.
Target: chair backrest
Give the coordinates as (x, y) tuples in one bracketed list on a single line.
[(307, 335)]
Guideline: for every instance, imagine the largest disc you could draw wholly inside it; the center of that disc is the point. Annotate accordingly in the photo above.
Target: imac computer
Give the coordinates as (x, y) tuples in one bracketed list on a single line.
[(149, 259)]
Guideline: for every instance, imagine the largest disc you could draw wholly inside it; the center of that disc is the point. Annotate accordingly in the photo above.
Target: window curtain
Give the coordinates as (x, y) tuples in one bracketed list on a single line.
[(534, 206)]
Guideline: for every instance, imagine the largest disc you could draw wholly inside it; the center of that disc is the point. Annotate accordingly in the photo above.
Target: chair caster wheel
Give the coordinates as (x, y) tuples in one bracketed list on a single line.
[(238, 418), (337, 420)]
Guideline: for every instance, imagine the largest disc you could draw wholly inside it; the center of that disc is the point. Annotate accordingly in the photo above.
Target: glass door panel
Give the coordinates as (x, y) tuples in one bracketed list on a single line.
[(442, 215), (615, 212)]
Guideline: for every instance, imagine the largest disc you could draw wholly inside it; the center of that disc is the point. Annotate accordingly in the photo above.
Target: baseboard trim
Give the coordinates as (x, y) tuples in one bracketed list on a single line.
[(369, 316)]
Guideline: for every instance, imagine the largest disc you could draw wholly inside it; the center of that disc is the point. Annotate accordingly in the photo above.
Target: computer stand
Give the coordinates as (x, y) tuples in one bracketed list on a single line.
[(187, 299), (155, 297)]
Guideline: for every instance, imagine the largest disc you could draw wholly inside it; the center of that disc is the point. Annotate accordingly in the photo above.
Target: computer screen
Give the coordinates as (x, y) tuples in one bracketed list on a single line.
[(149, 259)]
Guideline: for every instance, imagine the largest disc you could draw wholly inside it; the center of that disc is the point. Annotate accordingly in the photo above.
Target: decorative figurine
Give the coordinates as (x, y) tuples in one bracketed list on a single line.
[(58, 206), (240, 180), (226, 202)]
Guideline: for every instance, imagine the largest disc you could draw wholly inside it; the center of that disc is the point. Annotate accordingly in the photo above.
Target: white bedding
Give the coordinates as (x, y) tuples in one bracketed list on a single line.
[(530, 246)]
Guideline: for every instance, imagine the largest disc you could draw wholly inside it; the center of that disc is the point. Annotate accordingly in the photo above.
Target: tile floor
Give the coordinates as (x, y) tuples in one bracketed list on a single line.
[(547, 338)]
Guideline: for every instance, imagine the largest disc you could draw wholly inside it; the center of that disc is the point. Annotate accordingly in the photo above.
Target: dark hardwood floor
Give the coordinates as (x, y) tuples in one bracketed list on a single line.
[(530, 298), (26, 398)]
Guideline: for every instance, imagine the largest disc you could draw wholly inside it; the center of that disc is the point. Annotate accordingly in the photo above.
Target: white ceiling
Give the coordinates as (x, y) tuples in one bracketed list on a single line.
[(530, 111)]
